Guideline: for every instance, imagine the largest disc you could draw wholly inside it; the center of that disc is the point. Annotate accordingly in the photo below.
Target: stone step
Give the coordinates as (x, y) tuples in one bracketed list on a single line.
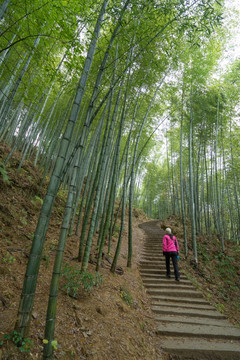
[(190, 330), (182, 305), (146, 260), (201, 349), (146, 273), (161, 276), (151, 248), (173, 299), (152, 235), (192, 320), (165, 280), (170, 286), (152, 266), (155, 251), (175, 292), (155, 255), (156, 240), (152, 271), (152, 260), (156, 274), (153, 242), (151, 263), (199, 313)]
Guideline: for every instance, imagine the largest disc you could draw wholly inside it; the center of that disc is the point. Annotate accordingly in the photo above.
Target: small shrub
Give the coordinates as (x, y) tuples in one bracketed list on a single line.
[(236, 304), (23, 220), (225, 265), (53, 244), (62, 194), (136, 214), (75, 280), (37, 200), (47, 259), (126, 296), (204, 252), (9, 259), (220, 307), (24, 344), (209, 296), (3, 172), (23, 217)]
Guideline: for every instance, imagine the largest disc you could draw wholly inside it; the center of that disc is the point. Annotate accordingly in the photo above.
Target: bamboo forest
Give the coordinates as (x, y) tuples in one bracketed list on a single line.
[(118, 119)]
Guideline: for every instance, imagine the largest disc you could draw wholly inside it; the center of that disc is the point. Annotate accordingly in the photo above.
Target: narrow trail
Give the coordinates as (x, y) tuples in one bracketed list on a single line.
[(188, 326)]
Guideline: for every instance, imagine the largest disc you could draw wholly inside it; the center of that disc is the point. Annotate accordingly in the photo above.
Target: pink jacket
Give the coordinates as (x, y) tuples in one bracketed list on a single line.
[(169, 244)]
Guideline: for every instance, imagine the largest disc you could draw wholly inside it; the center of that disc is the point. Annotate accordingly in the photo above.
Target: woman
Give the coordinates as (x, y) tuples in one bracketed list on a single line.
[(170, 250)]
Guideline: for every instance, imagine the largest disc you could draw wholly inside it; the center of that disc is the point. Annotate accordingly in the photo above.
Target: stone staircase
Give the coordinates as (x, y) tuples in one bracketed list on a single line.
[(189, 327)]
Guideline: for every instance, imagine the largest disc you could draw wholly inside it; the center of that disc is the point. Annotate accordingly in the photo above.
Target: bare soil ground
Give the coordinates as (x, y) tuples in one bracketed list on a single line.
[(113, 321)]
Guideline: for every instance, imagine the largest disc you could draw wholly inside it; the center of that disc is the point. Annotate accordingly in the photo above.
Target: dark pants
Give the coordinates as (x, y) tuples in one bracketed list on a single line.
[(173, 255)]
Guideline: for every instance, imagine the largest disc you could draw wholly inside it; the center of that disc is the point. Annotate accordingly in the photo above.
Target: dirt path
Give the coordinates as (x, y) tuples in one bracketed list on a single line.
[(189, 327)]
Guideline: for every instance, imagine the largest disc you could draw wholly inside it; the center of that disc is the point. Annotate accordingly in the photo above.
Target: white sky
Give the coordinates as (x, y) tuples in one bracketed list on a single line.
[(232, 23)]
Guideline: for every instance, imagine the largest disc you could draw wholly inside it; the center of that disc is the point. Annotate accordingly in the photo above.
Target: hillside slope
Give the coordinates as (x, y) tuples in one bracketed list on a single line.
[(111, 321)]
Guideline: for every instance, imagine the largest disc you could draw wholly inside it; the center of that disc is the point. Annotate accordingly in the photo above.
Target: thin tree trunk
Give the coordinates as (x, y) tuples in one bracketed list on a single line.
[(132, 176), (30, 281), (117, 251), (53, 295), (218, 220), (3, 8), (192, 204), (102, 171), (236, 196), (5, 112), (181, 186)]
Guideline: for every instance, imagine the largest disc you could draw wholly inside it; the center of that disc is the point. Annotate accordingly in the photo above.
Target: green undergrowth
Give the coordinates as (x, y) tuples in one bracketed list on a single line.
[(75, 281), (217, 275), (3, 173), (24, 345), (126, 296)]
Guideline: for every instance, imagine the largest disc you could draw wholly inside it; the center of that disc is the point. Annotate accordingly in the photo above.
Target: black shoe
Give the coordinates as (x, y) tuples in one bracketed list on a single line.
[(177, 279), (168, 276)]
